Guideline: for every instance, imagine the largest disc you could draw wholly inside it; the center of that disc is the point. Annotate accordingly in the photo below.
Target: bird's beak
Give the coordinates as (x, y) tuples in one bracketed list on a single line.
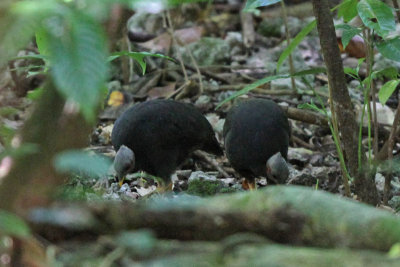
[(121, 181)]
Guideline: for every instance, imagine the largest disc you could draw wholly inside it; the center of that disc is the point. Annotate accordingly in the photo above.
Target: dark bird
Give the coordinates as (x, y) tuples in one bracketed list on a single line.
[(256, 134), (158, 135)]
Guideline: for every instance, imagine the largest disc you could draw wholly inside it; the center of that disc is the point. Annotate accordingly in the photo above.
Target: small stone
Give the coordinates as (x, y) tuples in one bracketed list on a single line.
[(299, 155), (124, 188), (132, 195), (379, 182), (202, 176), (395, 203), (111, 196), (262, 182), (142, 191), (228, 181)]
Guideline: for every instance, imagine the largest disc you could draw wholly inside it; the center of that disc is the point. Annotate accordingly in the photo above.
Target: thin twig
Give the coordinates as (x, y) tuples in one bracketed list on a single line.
[(396, 6), (175, 43), (370, 62), (212, 162), (391, 142), (291, 66)]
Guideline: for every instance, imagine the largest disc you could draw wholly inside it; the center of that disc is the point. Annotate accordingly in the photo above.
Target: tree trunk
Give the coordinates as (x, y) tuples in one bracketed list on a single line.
[(364, 183), (51, 128)]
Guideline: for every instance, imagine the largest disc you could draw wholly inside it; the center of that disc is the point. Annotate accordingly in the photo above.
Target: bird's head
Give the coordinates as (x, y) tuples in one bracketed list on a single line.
[(124, 162), (277, 169)]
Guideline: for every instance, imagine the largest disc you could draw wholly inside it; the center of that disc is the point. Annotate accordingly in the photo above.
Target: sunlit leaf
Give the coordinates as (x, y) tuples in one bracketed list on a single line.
[(394, 251)]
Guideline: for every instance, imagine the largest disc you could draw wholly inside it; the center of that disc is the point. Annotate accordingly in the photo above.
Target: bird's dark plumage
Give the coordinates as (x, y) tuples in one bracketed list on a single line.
[(254, 131), (161, 134)]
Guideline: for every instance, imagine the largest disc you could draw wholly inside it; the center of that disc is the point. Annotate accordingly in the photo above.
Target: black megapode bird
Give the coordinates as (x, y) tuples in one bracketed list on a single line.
[(256, 134), (156, 136)]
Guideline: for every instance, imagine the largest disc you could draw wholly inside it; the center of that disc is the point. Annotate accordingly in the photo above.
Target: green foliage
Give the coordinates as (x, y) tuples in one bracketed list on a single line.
[(11, 224), (376, 15), (23, 150), (387, 90), (204, 188), (390, 48), (348, 10), (76, 192), (77, 58), (252, 86), (76, 161), (348, 32), (312, 106), (388, 73), (394, 251), (295, 42), (265, 80), (35, 94), (138, 57)]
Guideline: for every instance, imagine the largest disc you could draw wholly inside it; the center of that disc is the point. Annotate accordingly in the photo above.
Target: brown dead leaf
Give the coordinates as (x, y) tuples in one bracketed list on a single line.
[(162, 43), (161, 92)]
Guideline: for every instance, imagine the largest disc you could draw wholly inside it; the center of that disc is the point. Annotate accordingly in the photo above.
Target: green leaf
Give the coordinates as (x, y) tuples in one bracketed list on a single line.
[(35, 94), (17, 27), (350, 71), (21, 151), (295, 42), (77, 55), (376, 15), (253, 4), (250, 87), (311, 106), (348, 33), (309, 71), (263, 81), (77, 161), (394, 251), (42, 43), (387, 90), (10, 224), (390, 49), (388, 73), (139, 57), (348, 10)]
